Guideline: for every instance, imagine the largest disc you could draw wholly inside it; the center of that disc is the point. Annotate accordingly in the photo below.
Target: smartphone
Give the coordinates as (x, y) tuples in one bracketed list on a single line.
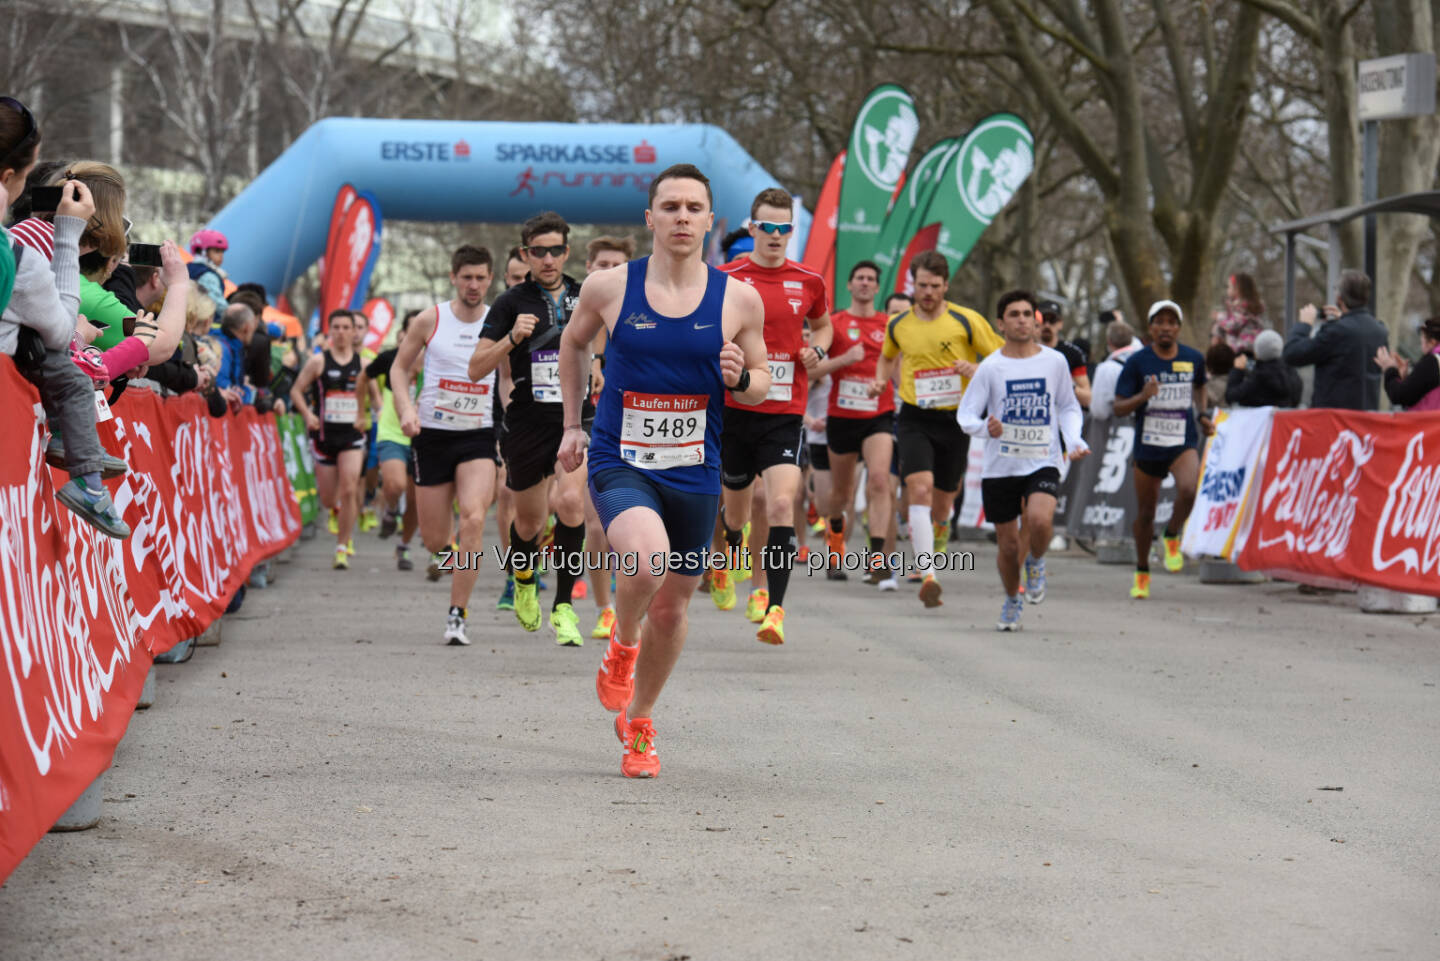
[(45, 200), (145, 255)]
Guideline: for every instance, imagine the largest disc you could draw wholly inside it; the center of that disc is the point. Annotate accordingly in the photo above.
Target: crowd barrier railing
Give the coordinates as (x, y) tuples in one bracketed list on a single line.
[(83, 616)]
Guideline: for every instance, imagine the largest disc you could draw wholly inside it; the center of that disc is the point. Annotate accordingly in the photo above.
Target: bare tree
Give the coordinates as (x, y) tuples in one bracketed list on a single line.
[(203, 80), (326, 61)]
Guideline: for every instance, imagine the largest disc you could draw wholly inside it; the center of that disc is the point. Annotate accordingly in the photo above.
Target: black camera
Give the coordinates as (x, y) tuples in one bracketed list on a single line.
[(46, 200), (145, 255)]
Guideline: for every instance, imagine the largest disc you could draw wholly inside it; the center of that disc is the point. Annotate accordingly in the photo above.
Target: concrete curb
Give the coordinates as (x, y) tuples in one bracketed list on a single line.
[(1378, 600), (84, 814)]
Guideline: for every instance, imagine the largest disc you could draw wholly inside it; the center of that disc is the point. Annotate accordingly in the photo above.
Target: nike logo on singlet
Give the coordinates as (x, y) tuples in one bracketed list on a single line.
[(703, 326)]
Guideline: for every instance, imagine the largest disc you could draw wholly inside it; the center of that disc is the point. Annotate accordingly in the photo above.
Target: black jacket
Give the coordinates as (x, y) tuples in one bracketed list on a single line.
[(1343, 352), (1264, 383)]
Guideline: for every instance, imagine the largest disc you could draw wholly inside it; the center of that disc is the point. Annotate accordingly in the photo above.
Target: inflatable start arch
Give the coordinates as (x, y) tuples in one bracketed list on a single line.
[(439, 170)]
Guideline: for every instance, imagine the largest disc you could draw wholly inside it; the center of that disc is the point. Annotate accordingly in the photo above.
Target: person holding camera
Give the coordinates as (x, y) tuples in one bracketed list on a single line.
[(39, 322), (1341, 341)]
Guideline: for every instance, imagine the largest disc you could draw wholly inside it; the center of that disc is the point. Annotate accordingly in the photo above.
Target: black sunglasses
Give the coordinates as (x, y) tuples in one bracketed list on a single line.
[(557, 251), (32, 132)]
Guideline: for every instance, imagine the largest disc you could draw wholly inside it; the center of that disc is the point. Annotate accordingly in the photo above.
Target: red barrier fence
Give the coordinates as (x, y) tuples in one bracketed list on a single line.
[(1349, 498), (82, 615)]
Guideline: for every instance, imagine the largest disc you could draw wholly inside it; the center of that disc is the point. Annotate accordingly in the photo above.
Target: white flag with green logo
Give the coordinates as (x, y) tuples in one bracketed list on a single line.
[(993, 161), (878, 152), (910, 206)]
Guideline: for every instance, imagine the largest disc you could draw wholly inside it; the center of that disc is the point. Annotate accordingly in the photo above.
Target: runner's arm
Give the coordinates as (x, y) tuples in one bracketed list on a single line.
[(970, 415), (822, 333), (406, 358), (884, 370), (498, 337), (596, 295), (308, 373), (1081, 384), (750, 338), (1070, 417)]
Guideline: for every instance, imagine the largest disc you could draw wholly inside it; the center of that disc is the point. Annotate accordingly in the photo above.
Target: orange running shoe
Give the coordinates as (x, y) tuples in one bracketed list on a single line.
[(802, 554), (579, 591), (640, 759), (615, 681), (622, 726), (772, 631), (930, 591), (834, 547)]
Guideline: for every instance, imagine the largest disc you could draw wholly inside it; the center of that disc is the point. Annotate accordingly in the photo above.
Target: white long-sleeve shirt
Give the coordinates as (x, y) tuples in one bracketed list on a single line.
[(47, 293), (1031, 396), (1102, 391)]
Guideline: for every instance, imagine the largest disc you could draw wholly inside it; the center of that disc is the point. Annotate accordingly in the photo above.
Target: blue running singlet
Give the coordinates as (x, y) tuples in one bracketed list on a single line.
[(664, 397)]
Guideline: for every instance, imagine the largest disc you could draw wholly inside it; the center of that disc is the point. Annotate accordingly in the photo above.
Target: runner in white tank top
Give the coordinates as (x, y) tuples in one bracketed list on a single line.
[(453, 426)]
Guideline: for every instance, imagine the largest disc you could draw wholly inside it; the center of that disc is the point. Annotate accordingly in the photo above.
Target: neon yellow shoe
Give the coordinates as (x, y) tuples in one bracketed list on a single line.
[(1140, 588), (1174, 560), (722, 590), (772, 631), (942, 538), (603, 626), (758, 604), (368, 520), (342, 559), (567, 626), (527, 604), (818, 527), (333, 524)]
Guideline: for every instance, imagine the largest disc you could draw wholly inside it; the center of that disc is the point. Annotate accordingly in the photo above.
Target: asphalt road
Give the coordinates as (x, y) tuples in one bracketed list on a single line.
[(1119, 780)]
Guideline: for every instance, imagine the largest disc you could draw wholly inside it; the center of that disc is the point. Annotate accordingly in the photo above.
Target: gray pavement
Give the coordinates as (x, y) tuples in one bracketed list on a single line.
[(1117, 781)]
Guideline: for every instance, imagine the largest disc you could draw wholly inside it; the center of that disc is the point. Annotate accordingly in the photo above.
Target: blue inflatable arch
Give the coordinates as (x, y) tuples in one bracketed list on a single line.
[(439, 170)]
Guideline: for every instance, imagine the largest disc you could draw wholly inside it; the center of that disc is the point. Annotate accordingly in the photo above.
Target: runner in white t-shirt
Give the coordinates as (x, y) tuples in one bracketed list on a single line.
[(452, 427), (1022, 401)]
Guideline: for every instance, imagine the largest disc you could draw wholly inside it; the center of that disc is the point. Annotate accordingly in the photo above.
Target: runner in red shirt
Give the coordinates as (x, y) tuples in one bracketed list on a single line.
[(766, 440), (858, 423)]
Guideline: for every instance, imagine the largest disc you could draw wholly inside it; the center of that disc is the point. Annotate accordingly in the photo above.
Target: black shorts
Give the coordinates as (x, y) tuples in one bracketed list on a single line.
[(439, 452), (931, 440), (1159, 468), (1004, 497), (530, 446), (818, 456), (327, 452), (846, 435), (752, 442)]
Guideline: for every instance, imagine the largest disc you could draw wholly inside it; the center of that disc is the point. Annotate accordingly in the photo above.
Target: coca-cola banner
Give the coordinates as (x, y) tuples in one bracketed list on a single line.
[(82, 615), (1350, 498), (1233, 459)]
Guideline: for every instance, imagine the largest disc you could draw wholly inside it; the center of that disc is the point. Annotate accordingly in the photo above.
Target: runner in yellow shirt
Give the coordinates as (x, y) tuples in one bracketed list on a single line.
[(939, 345)]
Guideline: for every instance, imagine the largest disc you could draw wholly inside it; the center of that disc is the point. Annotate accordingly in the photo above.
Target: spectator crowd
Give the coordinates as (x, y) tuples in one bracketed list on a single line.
[(90, 311)]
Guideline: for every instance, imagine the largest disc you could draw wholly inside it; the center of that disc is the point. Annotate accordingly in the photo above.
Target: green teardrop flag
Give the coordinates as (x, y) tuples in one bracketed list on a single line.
[(878, 152)]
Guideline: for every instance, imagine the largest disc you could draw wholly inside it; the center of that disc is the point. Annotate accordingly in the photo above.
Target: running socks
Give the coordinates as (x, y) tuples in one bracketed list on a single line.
[(877, 551), (734, 540), (569, 542), (524, 556), (777, 561), (922, 537), (837, 524)]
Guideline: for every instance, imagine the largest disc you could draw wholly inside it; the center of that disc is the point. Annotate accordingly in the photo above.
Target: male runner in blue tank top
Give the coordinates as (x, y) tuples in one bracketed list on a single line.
[(681, 334)]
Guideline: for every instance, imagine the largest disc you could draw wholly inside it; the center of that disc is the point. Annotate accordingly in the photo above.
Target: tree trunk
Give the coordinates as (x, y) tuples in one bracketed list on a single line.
[(1337, 81), (1409, 151)]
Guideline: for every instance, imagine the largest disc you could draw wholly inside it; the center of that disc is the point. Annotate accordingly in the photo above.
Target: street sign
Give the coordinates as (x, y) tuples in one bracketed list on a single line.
[(1394, 87)]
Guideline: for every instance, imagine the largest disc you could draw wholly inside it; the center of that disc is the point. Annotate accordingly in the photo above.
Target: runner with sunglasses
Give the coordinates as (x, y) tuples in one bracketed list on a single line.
[(523, 330), (766, 439)]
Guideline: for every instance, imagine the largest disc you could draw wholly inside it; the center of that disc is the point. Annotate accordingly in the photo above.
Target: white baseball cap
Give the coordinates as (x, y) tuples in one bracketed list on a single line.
[(1160, 305)]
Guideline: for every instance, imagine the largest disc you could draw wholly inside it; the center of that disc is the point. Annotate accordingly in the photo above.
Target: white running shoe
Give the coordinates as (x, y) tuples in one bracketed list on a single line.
[(455, 631), (889, 584)]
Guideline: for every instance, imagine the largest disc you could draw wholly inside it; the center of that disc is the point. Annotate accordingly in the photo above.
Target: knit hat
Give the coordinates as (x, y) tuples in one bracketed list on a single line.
[(1268, 345)]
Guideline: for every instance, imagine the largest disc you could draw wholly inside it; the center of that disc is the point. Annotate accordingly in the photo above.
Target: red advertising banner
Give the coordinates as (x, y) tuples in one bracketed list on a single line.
[(382, 318), (344, 197), (82, 615), (1350, 498), (352, 246), (820, 245)]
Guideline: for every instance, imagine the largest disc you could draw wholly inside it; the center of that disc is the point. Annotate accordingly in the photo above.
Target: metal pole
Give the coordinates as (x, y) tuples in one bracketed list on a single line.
[(1369, 193)]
